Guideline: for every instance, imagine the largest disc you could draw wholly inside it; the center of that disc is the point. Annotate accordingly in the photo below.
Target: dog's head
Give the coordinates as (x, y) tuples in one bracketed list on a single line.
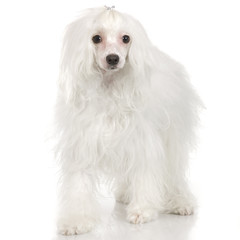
[(111, 40), (103, 40)]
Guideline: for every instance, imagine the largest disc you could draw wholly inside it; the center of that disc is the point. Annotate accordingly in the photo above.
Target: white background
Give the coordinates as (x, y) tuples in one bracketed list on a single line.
[(203, 35)]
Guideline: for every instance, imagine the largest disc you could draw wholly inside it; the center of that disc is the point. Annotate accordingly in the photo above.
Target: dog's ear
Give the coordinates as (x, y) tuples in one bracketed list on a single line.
[(77, 59)]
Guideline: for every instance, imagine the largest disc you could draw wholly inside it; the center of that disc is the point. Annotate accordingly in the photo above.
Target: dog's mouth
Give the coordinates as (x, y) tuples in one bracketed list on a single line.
[(112, 67)]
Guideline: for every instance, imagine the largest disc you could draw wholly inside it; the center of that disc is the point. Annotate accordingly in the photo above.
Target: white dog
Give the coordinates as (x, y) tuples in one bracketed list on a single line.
[(126, 110)]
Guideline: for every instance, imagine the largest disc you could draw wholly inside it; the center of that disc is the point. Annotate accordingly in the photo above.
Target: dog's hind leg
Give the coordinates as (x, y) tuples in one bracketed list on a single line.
[(178, 198)]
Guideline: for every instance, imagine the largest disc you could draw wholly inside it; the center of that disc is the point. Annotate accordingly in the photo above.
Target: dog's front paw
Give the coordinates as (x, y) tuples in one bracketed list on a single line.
[(183, 210), (142, 215), (183, 207), (79, 225)]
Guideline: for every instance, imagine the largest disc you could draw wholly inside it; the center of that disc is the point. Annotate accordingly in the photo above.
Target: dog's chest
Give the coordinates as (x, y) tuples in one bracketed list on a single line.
[(110, 123)]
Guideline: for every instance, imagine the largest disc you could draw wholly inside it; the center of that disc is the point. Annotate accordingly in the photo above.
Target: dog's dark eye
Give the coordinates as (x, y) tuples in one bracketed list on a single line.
[(126, 39), (97, 39)]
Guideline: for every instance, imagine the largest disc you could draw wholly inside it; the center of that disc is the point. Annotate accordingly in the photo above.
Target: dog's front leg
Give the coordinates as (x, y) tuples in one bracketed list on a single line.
[(144, 198), (78, 207)]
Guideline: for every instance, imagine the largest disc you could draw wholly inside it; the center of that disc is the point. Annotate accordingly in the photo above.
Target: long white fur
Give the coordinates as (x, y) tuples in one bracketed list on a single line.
[(135, 124)]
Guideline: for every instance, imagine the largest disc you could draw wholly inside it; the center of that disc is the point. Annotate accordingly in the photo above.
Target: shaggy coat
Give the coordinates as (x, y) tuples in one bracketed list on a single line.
[(133, 122)]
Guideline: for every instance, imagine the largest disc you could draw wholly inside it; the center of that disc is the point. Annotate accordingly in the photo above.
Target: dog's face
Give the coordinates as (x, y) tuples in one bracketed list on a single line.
[(111, 43), (111, 49)]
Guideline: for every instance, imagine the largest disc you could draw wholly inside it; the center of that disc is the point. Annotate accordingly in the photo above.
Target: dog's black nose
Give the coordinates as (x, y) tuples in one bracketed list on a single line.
[(112, 59)]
